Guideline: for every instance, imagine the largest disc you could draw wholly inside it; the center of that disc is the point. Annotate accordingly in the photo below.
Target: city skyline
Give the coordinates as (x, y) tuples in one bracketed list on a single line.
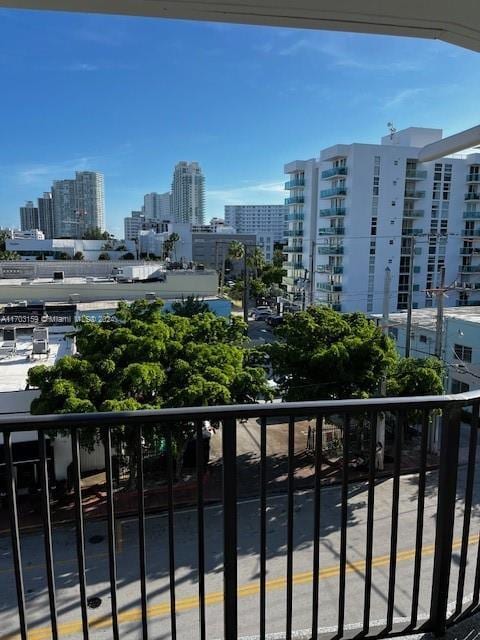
[(311, 89)]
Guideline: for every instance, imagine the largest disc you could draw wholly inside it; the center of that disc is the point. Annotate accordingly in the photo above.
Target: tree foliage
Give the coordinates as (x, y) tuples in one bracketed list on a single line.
[(95, 234), (104, 256), (189, 306), (323, 354), (415, 377), (143, 358)]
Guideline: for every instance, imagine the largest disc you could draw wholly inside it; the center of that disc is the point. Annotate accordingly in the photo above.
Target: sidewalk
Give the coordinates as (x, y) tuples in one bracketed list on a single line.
[(94, 497)]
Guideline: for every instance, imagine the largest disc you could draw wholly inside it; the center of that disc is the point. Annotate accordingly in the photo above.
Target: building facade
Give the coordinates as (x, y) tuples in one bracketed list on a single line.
[(45, 214), (29, 217), (157, 206), (360, 208), (267, 222), (188, 193), (459, 342), (78, 205), (211, 249)]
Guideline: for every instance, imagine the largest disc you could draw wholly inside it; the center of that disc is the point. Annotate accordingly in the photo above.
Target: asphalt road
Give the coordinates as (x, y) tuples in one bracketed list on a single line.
[(248, 566)]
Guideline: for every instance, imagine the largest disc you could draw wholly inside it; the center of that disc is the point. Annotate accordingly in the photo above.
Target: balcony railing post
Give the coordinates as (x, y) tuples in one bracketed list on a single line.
[(229, 447), (447, 486)]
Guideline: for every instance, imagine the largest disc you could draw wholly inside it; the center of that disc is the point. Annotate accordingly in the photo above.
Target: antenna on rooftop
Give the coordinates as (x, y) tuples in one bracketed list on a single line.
[(392, 129)]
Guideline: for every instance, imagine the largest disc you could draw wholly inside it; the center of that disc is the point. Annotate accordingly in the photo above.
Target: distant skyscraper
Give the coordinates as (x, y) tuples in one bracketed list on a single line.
[(188, 193), (29, 217), (90, 200), (78, 205), (157, 206), (65, 220), (45, 214)]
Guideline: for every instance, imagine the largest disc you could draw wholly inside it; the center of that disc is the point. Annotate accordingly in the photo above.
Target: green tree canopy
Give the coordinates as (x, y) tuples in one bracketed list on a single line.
[(323, 354), (95, 234), (104, 256), (189, 306), (143, 358), (415, 377)]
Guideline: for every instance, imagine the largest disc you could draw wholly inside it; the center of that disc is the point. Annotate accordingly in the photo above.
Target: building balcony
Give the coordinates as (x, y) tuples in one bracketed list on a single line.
[(326, 268), (412, 232), (297, 249), (472, 196), (334, 172), (296, 266), (468, 251), (288, 281), (297, 216), (332, 213), (295, 200), (334, 192), (220, 544), (468, 303), (415, 174), (414, 195), (327, 286), (471, 233), (469, 268), (473, 177), (294, 233), (294, 183), (414, 213), (332, 231), (330, 251)]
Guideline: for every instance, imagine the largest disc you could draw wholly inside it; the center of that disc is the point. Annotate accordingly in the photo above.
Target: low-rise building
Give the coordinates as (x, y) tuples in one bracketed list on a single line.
[(460, 351), (211, 249), (34, 248)]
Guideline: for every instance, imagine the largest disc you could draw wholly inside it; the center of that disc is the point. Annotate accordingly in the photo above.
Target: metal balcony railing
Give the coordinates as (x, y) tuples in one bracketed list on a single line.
[(440, 502)]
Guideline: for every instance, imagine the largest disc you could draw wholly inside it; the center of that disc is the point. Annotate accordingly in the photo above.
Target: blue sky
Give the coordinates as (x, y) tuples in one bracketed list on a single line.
[(131, 96)]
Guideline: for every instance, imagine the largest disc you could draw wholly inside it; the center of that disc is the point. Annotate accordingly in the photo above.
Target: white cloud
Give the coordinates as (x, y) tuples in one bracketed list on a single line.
[(81, 66), (403, 96), (339, 57), (42, 173)]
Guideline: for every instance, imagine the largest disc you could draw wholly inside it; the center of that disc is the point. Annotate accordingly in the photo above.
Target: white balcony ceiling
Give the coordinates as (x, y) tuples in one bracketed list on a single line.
[(457, 22)]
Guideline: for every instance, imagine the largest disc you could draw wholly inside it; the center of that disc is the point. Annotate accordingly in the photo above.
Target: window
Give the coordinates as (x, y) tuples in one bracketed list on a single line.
[(459, 387), (423, 338), (463, 353)]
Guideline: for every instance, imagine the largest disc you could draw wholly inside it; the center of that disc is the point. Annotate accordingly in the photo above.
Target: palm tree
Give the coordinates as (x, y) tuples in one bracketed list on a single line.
[(256, 261), (236, 250), (174, 238)]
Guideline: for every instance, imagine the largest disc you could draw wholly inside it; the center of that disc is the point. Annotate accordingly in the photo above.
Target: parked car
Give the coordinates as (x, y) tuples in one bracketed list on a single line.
[(262, 315), (274, 321), (262, 309)]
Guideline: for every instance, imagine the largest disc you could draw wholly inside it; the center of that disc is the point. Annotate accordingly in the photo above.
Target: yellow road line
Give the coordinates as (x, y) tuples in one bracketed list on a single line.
[(216, 597)]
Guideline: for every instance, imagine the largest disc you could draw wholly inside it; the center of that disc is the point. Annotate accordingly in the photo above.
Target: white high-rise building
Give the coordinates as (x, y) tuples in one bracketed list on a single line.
[(90, 200), (29, 217), (359, 207), (188, 193), (266, 221), (78, 205), (158, 206)]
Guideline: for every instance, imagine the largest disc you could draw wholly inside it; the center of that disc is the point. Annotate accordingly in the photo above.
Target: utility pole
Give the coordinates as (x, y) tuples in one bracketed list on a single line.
[(245, 285), (312, 274), (440, 306), (383, 383), (410, 298)]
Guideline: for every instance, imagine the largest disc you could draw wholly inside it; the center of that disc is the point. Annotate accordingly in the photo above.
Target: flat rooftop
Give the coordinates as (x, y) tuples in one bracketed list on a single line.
[(427, 317), (14, 368)]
